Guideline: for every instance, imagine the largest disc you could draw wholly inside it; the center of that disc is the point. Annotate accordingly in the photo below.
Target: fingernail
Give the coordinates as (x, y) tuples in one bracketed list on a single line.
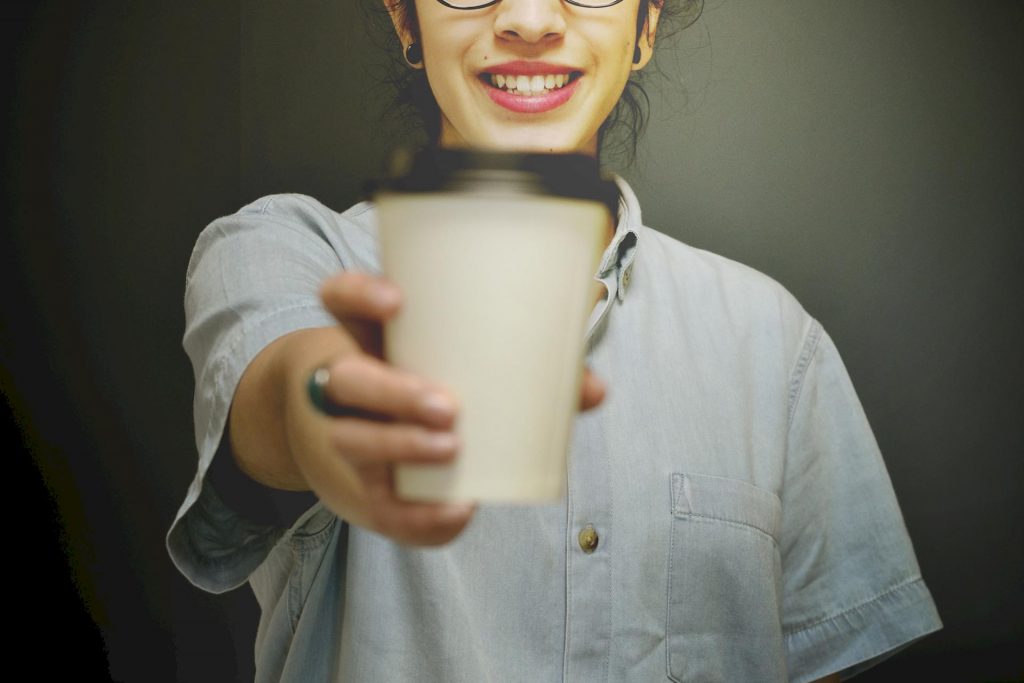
[(436, 407), (441, 442), (385, 296), (458, 510)]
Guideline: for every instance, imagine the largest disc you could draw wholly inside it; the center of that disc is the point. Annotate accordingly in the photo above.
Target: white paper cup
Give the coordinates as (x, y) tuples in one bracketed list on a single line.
[(497, 289)]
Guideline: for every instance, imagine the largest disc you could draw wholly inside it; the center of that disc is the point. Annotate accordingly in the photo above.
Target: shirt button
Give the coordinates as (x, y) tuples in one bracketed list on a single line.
[(588, 539), (626, 275)]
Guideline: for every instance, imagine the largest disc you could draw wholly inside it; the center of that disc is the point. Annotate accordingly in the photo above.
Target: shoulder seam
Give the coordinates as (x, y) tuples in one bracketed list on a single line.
[(796, 382), (265, 206)]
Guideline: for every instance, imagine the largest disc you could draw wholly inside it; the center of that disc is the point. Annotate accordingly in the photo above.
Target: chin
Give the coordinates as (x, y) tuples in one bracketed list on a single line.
[(526, 138)]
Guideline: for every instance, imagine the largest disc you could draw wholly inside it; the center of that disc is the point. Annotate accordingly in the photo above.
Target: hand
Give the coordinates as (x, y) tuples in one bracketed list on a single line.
[(389, 416), (362, 302)]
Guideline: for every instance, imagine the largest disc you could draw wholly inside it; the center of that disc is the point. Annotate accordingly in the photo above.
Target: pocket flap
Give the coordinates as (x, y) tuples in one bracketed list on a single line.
[(727, 500)]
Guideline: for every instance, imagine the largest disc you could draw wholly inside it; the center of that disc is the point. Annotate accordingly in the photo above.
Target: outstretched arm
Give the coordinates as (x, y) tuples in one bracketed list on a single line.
[(389, 416)]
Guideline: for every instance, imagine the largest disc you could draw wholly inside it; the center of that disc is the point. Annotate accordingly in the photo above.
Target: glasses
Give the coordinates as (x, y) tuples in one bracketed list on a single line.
[(476, 4)]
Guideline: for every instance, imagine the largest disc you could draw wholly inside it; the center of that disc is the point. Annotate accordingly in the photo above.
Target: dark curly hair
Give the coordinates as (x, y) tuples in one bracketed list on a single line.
[(413, 100)]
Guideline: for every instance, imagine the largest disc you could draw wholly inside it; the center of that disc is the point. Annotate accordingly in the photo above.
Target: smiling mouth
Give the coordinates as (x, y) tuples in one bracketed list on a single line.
[(535, 85)]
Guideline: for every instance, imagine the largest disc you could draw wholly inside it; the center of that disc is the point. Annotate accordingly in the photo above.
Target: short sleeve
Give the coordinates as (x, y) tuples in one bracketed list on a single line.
[(253, 277), (852, 590)]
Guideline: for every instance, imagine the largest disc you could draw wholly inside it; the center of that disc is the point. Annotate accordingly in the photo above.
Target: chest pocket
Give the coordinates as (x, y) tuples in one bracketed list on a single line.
[(724, 582)]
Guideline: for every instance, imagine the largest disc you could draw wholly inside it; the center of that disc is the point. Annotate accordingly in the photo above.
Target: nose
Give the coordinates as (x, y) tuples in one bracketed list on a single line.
[(532, 21)]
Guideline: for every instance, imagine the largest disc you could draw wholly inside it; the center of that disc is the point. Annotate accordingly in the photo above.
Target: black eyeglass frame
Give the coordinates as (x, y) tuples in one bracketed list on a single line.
[(495, 2)]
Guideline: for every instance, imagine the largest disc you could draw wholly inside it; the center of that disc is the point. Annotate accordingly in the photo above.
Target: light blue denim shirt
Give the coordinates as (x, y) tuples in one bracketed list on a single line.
[(746, 526)]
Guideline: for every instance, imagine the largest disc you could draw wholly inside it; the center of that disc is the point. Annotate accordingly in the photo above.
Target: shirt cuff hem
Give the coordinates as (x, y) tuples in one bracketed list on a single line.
[(860, 637)]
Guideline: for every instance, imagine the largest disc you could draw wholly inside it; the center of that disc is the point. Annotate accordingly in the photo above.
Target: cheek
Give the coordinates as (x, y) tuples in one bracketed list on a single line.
[(618, 47), (445, 53), (623, 63), (442, 68)]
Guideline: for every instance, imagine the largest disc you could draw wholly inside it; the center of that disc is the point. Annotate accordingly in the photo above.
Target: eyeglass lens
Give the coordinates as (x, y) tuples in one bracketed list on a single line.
[(477, 4)]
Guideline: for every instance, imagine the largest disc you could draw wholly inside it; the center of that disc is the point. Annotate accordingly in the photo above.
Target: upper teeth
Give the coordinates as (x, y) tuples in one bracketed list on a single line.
[(528, 85)]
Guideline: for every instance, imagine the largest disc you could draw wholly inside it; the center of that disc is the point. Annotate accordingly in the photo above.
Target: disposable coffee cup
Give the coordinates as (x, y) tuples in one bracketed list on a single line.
[(495, 255)]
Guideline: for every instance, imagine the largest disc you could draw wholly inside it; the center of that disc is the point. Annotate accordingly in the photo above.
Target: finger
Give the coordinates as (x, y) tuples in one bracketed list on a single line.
[(424, 524), (367, 442), (592, 391), (411, 522), (365, 497), (360, 295), (368, 384)]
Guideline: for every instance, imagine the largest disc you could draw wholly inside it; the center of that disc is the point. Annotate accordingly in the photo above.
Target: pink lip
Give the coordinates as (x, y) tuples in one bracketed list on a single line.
[(531, 104)]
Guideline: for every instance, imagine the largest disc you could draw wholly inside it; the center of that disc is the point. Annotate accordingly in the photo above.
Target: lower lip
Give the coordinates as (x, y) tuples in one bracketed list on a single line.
[(532, 104)]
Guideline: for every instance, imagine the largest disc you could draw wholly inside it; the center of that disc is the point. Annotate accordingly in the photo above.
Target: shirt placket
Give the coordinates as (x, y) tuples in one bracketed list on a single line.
[(589, 537)]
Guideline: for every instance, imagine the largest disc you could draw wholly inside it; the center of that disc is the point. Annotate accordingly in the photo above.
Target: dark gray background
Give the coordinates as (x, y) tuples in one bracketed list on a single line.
[(866, 155)]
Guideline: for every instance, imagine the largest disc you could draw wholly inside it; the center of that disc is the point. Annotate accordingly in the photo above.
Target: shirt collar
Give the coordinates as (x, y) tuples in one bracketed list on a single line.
[(617, 263)]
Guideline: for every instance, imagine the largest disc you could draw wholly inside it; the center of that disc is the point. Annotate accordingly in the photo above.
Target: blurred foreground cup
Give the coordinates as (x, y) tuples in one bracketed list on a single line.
[(495, 254)]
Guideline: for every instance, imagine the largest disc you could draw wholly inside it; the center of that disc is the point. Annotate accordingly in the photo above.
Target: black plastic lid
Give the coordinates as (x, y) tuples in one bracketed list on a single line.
[(573, 176)]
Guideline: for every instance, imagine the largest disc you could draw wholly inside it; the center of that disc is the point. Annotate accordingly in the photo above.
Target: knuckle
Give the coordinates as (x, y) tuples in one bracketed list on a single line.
[(400, 441), (405, 385), (340, 439), (346, 366)]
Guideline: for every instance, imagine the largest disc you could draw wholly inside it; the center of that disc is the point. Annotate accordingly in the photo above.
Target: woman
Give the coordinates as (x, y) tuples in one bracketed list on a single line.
[(728, 515)]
